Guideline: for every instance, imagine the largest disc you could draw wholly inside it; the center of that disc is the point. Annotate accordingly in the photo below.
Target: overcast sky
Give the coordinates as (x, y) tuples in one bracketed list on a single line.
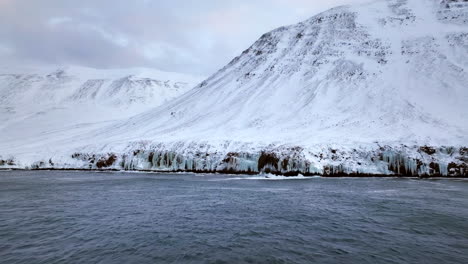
[(189, 36)]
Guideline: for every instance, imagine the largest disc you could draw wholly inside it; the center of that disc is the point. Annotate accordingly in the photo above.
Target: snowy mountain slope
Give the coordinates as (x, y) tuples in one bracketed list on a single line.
[(356, 89), (35, 101), (391, 71)]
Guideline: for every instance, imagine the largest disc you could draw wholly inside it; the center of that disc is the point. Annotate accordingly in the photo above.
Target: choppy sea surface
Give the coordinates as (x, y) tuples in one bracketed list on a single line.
[(90, 217)]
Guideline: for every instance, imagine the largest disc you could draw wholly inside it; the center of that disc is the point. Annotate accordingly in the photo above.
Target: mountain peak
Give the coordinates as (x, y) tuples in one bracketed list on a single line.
[(353, 73)]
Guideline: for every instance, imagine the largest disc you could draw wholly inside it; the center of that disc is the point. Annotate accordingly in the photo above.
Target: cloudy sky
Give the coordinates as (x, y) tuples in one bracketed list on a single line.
[(189, 36)]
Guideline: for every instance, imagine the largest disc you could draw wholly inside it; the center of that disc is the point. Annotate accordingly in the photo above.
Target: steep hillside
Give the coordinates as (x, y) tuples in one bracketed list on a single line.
[(389, 71), (379, 88)]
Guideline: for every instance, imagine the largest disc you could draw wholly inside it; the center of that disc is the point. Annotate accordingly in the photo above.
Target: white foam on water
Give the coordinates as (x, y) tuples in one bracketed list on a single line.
[(272, 177)]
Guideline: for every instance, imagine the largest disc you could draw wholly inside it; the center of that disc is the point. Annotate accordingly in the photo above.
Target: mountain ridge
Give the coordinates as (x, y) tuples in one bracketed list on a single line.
[(341, 77), (40, 99)]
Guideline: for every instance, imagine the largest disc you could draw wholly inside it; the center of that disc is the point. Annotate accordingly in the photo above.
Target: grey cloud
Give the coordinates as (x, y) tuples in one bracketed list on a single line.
[(174, 35)]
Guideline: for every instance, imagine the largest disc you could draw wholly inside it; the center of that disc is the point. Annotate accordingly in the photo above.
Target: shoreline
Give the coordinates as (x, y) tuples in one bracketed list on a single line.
[(291, 175), (378, 161)]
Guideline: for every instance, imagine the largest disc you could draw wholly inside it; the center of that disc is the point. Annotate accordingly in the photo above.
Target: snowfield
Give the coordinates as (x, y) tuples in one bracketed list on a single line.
[(374, 89)]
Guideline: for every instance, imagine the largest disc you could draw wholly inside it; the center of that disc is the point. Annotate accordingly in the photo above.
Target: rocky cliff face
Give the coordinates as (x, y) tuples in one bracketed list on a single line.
[(375, 83)]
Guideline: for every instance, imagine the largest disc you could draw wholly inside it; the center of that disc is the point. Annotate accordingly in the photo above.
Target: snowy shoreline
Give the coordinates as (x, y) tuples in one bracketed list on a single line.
[(310, 176), (376, 161)]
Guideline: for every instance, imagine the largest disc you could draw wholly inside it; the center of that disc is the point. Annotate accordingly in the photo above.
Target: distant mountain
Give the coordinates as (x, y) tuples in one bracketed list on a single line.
[(25, 89), (379, 88), (44, 99)]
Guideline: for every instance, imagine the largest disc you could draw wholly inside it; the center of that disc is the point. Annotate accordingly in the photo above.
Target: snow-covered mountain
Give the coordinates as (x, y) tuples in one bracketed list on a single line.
[(121, 88), (38, 100), (379, 88)]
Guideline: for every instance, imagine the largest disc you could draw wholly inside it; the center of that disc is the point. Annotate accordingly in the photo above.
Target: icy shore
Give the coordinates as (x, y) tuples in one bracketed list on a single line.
[(280, 160)]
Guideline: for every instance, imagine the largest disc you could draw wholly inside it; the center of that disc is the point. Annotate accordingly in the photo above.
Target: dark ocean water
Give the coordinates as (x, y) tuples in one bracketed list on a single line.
[(82, 217)]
